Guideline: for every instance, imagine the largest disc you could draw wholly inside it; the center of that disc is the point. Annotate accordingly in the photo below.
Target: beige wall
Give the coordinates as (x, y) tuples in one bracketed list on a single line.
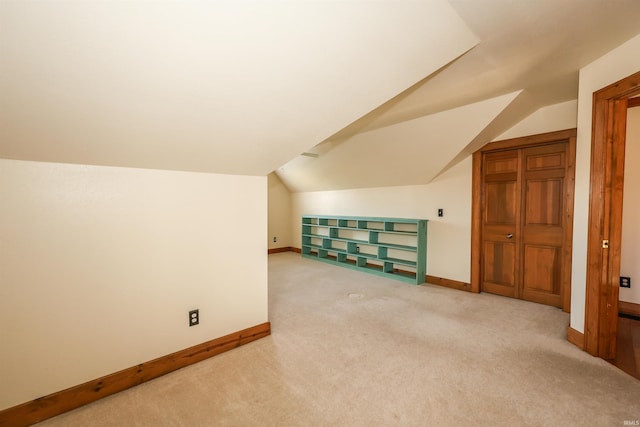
[(629, 265), (279, 213), (615, 65), (100, 266), (448, 248)]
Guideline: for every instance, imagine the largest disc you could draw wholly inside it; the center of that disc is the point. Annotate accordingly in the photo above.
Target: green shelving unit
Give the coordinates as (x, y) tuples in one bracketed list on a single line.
[(389, 247)]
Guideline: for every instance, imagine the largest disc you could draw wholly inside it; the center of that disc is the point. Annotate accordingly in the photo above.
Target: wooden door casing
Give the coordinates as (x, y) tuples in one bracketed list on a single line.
[(605, 214)]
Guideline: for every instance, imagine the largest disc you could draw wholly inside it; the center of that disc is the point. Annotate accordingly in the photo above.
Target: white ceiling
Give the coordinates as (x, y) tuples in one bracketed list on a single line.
[(231, 86), (393, 155), (533, 49), (244, 87), (538, 45)]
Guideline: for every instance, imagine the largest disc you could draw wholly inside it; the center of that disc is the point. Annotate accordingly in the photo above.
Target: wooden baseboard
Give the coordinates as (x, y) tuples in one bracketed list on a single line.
[(285, 249), (576, 338), (462, 286), (630, 308), (66, 400), (279, 250)]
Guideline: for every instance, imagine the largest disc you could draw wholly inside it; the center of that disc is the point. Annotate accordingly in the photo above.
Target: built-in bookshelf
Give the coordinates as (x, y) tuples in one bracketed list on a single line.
[(390, 247)]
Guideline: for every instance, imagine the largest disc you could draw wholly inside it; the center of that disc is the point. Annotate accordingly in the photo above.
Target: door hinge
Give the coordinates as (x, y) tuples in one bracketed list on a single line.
[(605, 244)]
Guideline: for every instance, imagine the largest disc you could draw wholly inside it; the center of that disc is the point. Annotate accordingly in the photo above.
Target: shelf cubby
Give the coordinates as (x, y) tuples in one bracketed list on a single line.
[(390, 247)]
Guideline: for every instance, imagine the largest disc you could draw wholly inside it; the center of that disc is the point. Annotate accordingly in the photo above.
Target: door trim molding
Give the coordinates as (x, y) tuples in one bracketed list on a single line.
[(567, 135), (605, 214), (575, 337)]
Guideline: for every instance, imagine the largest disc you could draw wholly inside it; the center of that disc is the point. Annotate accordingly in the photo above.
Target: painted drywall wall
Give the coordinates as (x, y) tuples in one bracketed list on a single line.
[(100, 266), (448, 248), (546, 119), (279, 224), (615, 65), (629, 265)]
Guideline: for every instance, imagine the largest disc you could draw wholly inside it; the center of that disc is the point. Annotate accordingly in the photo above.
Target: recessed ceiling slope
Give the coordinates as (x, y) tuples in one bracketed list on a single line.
[(519, 108), (408, 153), (234, 87), (537, 45)]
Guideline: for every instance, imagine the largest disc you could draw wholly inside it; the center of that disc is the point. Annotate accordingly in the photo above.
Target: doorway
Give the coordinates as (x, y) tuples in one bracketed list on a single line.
[(627, 356), (605, 215), (523, 218)]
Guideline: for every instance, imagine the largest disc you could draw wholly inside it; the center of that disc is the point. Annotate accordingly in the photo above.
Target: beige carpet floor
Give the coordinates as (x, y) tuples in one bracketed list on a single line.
[(353, 349)]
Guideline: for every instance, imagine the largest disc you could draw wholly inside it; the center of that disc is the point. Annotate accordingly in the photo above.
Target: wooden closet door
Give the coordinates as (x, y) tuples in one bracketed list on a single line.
[(523, 222), (501, 223), (542, 235)]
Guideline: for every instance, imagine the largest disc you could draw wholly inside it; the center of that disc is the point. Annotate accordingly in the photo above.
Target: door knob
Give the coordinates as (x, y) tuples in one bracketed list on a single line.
[(509, 236)]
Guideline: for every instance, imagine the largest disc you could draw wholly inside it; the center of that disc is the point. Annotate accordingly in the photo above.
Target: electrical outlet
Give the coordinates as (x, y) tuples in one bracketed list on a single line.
[(440, 212), (275, 239), (194, 317), (625, 282), (357, 249)]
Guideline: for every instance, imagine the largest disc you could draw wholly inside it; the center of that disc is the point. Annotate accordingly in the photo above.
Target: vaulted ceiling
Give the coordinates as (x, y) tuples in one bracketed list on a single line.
[(245, 87)]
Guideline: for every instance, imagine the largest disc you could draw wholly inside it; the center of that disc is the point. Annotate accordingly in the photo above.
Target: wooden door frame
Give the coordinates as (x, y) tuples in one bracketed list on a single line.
[(605, 215), (569, 136)]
